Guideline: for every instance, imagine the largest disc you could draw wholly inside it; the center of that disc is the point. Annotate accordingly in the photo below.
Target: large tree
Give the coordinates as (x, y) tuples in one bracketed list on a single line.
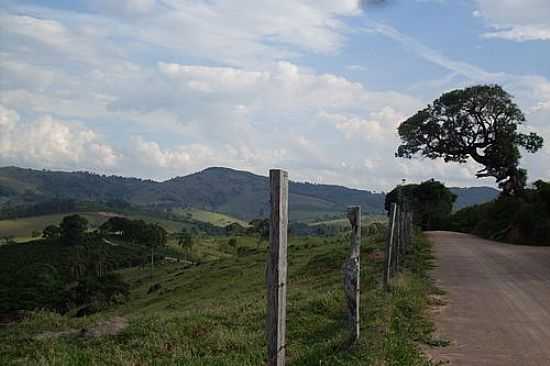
[(479, 122), (430, 201), (73, 229)]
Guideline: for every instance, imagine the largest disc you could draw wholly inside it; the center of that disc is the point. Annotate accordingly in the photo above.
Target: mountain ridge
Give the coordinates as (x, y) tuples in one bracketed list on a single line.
[(226, 190)]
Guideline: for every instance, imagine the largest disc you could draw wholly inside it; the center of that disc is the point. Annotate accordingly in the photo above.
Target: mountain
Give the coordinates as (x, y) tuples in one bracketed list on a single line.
[(473, 196), (238, 193)]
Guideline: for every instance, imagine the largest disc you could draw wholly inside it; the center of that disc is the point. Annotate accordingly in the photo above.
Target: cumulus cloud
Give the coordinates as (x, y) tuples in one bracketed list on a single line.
[(48, 142), (183, 85)]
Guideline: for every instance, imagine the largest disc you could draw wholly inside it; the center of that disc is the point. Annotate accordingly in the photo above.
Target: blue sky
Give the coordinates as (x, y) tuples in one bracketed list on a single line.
[(160, 88)]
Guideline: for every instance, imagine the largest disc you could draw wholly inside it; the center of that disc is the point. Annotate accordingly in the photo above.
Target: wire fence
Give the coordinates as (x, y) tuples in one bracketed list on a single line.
[(398, 240)]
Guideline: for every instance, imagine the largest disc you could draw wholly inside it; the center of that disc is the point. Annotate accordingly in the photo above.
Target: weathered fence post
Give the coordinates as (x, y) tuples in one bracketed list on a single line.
[(397, 239), (389, 244), (352, 272), (277, 269)]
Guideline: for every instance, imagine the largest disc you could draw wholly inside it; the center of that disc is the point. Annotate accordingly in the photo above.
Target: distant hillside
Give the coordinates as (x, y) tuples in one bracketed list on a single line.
[(237, 193), (473, 196)]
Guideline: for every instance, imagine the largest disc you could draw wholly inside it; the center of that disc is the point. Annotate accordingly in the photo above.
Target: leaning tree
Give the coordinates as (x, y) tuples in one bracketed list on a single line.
[(479, 122)]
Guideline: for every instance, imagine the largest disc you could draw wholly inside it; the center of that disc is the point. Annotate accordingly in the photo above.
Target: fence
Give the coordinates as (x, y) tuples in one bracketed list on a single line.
[(399, 239)]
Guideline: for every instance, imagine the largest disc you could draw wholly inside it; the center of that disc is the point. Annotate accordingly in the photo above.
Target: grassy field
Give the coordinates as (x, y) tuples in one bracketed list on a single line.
[(23, 228), (214, 313), (365, 220), (214, 218)]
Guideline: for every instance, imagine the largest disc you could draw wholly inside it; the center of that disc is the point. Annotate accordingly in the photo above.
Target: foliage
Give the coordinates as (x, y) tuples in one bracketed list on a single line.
[(430, 201), (98, 291), (260, 227), (51, 232), (524, 219), (235, 193), (136, 231), (185, 240), (479, 122), (210, 314), (72, 229), (234, 229), (232, 242), (44, 274), (7, 239)]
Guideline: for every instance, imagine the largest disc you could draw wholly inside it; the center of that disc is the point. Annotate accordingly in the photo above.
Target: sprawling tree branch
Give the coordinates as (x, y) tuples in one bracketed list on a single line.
[(480, 123)]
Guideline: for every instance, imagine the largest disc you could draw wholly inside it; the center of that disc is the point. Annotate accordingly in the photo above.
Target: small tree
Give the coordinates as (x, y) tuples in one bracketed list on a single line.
[(232, 243), (480, 123), (185, 240), (73, 228), (8, 239), (261, 228), (430, 201), (155, 236), (51, 232)]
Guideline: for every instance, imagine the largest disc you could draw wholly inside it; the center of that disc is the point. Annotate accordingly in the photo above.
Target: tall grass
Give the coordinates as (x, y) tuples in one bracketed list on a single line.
[(214, 314)]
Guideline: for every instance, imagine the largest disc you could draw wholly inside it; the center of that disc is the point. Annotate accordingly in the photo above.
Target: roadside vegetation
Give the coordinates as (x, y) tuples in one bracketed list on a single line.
[(430, 202), (522, 219), (212, 312), (482, 123)]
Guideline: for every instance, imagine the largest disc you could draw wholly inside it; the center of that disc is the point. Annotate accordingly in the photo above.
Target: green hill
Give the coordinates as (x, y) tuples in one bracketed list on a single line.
[(226, 191), (22, 229), (214, 314)]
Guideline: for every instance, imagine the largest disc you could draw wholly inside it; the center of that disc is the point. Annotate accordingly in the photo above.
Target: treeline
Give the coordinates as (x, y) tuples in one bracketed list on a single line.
[(523, 218), (71, 268), (54, 276), (430, 201), (59, 206), (520, 219)]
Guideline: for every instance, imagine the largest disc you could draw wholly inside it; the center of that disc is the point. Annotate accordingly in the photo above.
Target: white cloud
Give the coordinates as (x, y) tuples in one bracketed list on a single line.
[(514, 20), (202, 83), (48, 142)]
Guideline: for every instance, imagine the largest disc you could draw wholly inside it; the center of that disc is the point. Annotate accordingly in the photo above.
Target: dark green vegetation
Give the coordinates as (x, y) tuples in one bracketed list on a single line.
[(73, 267), (523, 219), (480, 123), (214, 313), (430, 201), (27, 228), (472, 196), (27, 192)]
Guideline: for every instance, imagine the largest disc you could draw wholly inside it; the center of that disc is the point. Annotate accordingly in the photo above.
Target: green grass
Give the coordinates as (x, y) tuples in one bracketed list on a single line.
[(214, 313), (214, 218), (23, 228), (365, 220)]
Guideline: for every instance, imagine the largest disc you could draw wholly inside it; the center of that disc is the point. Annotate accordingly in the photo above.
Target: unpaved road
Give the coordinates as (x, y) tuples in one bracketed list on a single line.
[(497, 308)]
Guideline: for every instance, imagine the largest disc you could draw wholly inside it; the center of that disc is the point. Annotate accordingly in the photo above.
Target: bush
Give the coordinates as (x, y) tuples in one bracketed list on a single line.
[(521, 219)]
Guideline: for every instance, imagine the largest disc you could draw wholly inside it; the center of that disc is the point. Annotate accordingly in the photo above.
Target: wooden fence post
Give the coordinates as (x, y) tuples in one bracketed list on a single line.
[(389, 244), (352, 272), (397, 239), (277, 269)]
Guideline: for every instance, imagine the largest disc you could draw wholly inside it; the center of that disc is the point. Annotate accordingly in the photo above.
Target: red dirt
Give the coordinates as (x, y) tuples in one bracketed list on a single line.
[(497, 308)]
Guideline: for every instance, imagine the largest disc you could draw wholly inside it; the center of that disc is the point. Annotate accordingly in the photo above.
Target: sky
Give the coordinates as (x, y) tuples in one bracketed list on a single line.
[(164, 88)]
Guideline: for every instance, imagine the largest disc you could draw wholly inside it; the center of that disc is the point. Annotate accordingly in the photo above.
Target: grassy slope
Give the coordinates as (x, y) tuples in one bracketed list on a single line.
[(214, 313), (366, 220), (23, 228), (214, 218)]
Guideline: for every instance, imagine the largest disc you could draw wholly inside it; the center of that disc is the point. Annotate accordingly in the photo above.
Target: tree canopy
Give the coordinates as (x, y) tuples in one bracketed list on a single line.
[(73, 228), (479, 122), (430, 201)]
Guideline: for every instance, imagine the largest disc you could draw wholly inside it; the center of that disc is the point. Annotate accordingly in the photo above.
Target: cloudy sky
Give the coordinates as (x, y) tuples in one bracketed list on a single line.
[(161, 88)]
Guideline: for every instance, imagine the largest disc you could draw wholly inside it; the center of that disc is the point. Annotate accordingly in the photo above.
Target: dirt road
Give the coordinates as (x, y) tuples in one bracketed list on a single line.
[(498, 301)]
